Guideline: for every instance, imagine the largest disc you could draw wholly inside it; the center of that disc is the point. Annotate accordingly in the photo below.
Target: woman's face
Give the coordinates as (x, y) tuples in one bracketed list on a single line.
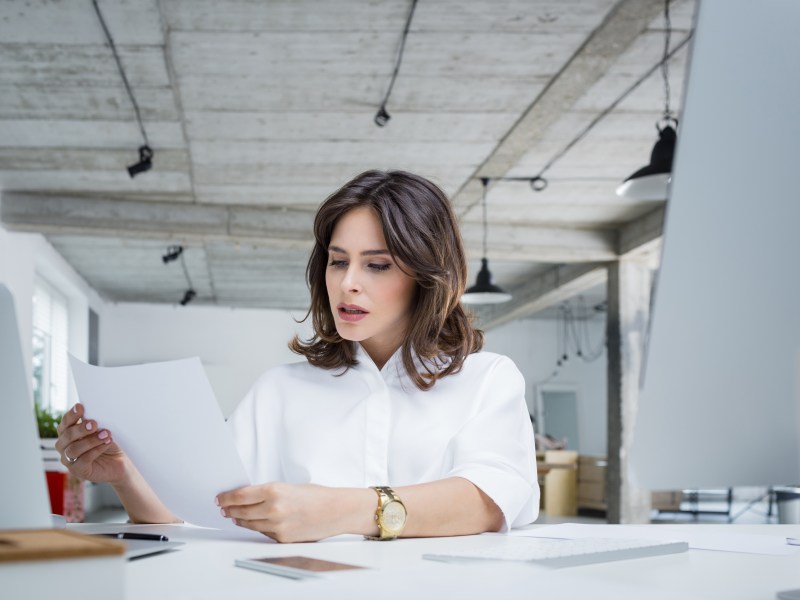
[(370, 295)]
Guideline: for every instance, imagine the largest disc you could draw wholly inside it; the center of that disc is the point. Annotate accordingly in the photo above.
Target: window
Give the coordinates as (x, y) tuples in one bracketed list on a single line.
[(50, 345)]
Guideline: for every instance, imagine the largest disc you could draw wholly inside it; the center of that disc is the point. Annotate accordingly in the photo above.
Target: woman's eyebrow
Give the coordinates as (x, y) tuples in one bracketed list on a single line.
[(364, 253)]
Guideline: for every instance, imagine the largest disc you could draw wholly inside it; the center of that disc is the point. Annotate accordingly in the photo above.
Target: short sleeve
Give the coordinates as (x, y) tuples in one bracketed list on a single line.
[(495, 448)]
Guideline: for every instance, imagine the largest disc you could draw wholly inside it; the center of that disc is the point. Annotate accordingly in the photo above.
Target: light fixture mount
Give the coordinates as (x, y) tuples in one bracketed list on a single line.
[(145, 161), (173, 253), (382, 117)]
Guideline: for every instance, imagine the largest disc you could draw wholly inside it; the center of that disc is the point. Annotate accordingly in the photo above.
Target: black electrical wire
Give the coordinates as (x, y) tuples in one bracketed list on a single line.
[(572, 332), (607, 110), (186, 272), (538, 182), (665, 59), (121, 72), (382, 109)]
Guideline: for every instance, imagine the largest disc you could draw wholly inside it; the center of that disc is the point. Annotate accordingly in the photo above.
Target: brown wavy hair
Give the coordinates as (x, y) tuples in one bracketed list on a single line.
[(421, 232)]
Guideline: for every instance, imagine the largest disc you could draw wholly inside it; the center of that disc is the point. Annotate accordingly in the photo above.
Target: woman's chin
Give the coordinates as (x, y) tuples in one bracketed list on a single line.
[(348, 333)]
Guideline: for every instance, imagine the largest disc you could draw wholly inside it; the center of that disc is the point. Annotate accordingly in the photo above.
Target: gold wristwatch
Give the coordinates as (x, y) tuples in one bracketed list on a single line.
[(390, 515)]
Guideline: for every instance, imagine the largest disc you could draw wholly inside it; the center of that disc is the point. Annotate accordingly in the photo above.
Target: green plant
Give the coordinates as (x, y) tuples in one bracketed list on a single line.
[(47, 421)]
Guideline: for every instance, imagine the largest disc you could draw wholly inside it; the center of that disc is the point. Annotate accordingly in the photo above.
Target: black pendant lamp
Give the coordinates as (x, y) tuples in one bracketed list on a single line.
[(484, 291), (651, 182)]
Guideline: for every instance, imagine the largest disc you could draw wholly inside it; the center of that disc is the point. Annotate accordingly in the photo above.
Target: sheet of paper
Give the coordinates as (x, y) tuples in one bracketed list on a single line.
[(699, 540), (167, 420)]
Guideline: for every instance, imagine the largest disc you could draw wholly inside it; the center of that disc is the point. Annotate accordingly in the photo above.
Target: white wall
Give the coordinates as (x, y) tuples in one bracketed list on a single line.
[(234, 345), (22, 257), (531, 344)]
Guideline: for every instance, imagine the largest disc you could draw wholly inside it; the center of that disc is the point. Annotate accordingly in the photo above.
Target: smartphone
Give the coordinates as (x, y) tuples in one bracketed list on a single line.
[(295, 567)]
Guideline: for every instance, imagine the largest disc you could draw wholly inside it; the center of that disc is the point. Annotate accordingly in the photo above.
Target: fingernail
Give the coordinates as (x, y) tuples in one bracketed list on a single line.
[(102, 435), (222, 512), (75, 409), (216, 500), (88, 426)]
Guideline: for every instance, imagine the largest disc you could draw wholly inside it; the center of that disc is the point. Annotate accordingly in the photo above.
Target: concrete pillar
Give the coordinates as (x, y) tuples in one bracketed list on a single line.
[(629, 282)]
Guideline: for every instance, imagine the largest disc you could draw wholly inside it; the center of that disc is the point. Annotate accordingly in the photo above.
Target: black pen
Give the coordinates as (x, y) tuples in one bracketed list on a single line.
[(153, 537)]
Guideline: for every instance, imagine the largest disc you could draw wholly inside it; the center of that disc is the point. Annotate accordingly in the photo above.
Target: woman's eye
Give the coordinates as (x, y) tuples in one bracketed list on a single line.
[(379, 267), (337, 263)]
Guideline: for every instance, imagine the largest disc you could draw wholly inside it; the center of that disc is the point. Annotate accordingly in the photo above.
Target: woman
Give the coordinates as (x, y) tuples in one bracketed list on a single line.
[(394, 391)]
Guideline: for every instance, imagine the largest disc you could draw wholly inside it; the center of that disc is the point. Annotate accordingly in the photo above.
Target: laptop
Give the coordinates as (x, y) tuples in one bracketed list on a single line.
[(24, 503), (24, 500)]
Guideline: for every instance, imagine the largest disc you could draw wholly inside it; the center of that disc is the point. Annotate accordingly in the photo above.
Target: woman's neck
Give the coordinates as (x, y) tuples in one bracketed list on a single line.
[(379, 353)]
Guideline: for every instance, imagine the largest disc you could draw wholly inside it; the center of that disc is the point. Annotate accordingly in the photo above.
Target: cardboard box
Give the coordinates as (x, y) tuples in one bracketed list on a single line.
[(44, 564), (667, 500), (592, 482)]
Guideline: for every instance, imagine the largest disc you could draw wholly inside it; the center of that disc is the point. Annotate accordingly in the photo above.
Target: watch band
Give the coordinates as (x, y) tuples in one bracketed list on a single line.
[(387, 496)]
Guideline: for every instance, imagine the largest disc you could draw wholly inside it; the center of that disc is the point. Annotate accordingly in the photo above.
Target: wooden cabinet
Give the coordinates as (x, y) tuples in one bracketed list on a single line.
[(559, 483), (592, 483)]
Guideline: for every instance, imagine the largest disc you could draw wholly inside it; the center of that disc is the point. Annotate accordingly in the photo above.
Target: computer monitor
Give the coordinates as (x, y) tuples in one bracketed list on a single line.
[(720, 404), (24, 501)]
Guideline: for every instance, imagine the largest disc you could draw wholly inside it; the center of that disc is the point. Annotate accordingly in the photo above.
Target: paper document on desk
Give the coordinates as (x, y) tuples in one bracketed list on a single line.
[(167, 420), (699, 539)]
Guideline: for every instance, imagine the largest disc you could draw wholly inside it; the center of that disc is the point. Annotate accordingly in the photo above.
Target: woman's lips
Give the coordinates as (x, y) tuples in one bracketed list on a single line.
[(351, 312)]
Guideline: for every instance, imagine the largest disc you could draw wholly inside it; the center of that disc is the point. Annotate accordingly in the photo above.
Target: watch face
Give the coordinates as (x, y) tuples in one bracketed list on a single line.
[(394, 516)]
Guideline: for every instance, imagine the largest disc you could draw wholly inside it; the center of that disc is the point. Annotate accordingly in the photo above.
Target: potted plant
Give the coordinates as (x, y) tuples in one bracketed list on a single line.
[(47, 421), (66, 490)]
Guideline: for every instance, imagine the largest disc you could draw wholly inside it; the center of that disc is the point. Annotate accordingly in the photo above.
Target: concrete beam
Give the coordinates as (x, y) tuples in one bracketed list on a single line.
[(155, 220), (542, 244), (551, 287), (643, 234), (600, 51), (263, 226), (562, 282)]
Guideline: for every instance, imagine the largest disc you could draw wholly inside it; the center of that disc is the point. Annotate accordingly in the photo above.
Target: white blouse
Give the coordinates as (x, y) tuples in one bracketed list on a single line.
[(304, 424)]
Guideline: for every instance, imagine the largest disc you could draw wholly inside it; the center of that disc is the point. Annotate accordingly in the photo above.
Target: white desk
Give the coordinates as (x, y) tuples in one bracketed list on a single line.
[(203, 568)]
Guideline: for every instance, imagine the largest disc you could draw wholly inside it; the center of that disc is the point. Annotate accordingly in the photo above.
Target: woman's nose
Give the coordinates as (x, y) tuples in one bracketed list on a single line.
[(351, 280)]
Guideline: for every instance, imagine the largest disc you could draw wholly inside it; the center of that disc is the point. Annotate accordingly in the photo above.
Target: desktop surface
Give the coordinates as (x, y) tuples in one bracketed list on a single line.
[(204, 568)]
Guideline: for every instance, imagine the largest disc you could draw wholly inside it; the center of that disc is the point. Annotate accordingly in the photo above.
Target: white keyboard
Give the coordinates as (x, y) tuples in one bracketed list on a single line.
[(566, 553)]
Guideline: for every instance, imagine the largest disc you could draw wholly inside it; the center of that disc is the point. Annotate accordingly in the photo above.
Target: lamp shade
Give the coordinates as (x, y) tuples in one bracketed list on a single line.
[(650, 182), (484, 292)]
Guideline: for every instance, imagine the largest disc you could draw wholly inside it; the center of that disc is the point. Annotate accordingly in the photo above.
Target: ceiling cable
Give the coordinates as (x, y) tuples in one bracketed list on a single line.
[(665, 59), (585, 131), (145, 151), (538, 181), (573, 333), (174, 253), (382, 116)]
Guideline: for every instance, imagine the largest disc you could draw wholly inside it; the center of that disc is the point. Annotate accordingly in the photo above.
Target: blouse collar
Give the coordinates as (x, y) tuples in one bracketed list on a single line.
[(394, 367)]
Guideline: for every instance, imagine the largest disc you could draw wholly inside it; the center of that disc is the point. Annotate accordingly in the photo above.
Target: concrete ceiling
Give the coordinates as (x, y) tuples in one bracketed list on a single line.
[(258, 110)]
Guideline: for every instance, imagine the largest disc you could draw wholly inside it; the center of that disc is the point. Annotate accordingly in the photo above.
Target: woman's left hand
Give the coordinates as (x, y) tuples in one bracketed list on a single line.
[(288, 512)]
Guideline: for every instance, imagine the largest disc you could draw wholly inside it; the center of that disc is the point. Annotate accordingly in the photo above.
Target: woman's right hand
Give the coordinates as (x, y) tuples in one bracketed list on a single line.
[(88, 451)]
